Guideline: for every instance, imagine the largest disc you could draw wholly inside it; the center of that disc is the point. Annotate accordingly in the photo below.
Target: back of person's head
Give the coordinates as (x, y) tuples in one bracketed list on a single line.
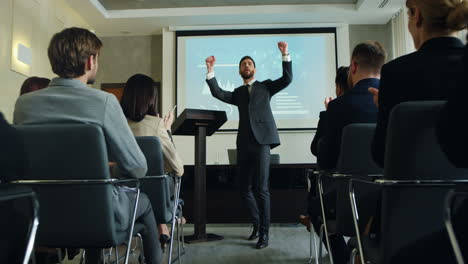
[(70, 49), (341, 79), (444, 16), (32, 84), (140, 97), (369, 56)]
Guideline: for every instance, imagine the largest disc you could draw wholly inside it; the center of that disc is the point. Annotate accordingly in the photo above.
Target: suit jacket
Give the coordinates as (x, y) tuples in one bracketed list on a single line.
[(11, 153), (318, 133), (255, 114), (452, 127), (427, 74), (355, 106), (71, 101), (154, 126)]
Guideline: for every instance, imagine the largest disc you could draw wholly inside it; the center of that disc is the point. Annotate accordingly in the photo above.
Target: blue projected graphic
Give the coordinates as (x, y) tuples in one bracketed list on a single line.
[(313, 58)]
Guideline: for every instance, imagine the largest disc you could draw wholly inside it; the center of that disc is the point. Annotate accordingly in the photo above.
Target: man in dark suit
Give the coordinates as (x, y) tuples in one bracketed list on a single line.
[(354, 106), (257, 135)]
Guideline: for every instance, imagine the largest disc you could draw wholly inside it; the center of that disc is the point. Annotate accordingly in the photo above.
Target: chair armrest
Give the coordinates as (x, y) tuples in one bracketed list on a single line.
[(358, 176), (75, 182), (434, 183), (164, 176), (9, 192)]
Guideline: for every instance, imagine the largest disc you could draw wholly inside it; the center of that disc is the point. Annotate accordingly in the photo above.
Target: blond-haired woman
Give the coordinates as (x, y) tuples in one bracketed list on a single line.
[(431, 71)]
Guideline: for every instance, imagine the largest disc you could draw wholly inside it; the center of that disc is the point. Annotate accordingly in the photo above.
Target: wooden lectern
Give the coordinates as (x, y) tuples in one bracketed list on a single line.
[(200, 123)]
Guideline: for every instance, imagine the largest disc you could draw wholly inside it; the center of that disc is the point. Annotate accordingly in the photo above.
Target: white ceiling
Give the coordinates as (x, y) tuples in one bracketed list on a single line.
[(150, 4), (133, 20)]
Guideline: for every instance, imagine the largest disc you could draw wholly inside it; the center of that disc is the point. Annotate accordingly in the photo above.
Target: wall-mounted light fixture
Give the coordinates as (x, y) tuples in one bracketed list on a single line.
[(24, 54)]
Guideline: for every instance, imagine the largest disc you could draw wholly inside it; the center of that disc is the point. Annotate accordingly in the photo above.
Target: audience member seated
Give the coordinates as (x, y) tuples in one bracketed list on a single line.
[(354, 106), (32, 84), (431, 72), (140, 105), (341, 86), (73, 54)]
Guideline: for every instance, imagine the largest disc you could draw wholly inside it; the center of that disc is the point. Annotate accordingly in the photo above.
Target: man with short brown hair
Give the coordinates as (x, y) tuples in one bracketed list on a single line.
[(73, 54)]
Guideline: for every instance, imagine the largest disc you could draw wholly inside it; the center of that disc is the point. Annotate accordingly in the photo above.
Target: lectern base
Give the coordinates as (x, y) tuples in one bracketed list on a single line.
[(192, 239)]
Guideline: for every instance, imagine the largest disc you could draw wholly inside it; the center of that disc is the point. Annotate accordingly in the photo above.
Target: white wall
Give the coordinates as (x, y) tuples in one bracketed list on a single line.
[(121, 57), (295, 146), (40, 19)]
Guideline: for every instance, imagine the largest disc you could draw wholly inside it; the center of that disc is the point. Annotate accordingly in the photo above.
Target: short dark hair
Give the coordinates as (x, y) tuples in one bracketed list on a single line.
[(370, 55), (34, 83), (69, 49), (246, 58), (341, 77), (140, 97)]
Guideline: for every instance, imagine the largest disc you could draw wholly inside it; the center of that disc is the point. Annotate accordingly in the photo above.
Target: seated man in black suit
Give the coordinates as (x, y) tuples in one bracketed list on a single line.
[(354, 106)]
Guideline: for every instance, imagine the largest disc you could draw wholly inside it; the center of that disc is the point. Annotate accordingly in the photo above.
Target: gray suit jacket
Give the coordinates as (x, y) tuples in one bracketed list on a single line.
[(71, 101), (255, 109)]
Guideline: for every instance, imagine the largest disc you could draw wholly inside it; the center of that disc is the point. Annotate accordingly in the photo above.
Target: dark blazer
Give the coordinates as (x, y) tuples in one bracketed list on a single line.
[(255, 114), (355, 106), (318, 133), (11, 153), (453, 128), (427, 74)]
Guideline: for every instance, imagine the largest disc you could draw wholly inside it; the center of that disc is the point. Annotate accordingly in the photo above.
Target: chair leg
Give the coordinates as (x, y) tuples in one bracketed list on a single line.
[(117, 255), (132, 225), (141, 257), (319, 256), (353, 256), (312, 233), (178, 239), (59, 255), (174, 218), (324, 218), (32, 230), (82, 258), (354, 210)]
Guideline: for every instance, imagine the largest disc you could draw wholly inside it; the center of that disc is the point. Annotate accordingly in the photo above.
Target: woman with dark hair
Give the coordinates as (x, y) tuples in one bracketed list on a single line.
[(341, 86), (140, 103), (34, 83)]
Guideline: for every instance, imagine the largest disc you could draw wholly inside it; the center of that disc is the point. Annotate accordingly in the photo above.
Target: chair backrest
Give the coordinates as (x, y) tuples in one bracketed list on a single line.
[(355, 154), (412, 149), (412, 217), (159, 191), (356, 158), (71, 215)]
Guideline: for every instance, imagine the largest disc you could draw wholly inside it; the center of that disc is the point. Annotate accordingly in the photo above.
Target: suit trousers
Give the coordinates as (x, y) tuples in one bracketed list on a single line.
[(254, 165), (150, 235)]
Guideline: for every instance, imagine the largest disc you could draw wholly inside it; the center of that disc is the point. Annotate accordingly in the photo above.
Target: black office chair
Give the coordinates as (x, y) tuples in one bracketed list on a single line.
[(355, 160), (163, 190), (18, 228), (68, 169), (417, 178)]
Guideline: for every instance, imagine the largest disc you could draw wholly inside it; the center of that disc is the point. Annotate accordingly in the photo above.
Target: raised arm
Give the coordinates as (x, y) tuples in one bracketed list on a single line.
[(216, 91), (281, 83)]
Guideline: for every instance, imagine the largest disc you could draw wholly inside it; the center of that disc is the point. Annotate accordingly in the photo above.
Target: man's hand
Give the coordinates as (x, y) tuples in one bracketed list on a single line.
[(375, 94), (210, 61), (327, 101), (283, 47)]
